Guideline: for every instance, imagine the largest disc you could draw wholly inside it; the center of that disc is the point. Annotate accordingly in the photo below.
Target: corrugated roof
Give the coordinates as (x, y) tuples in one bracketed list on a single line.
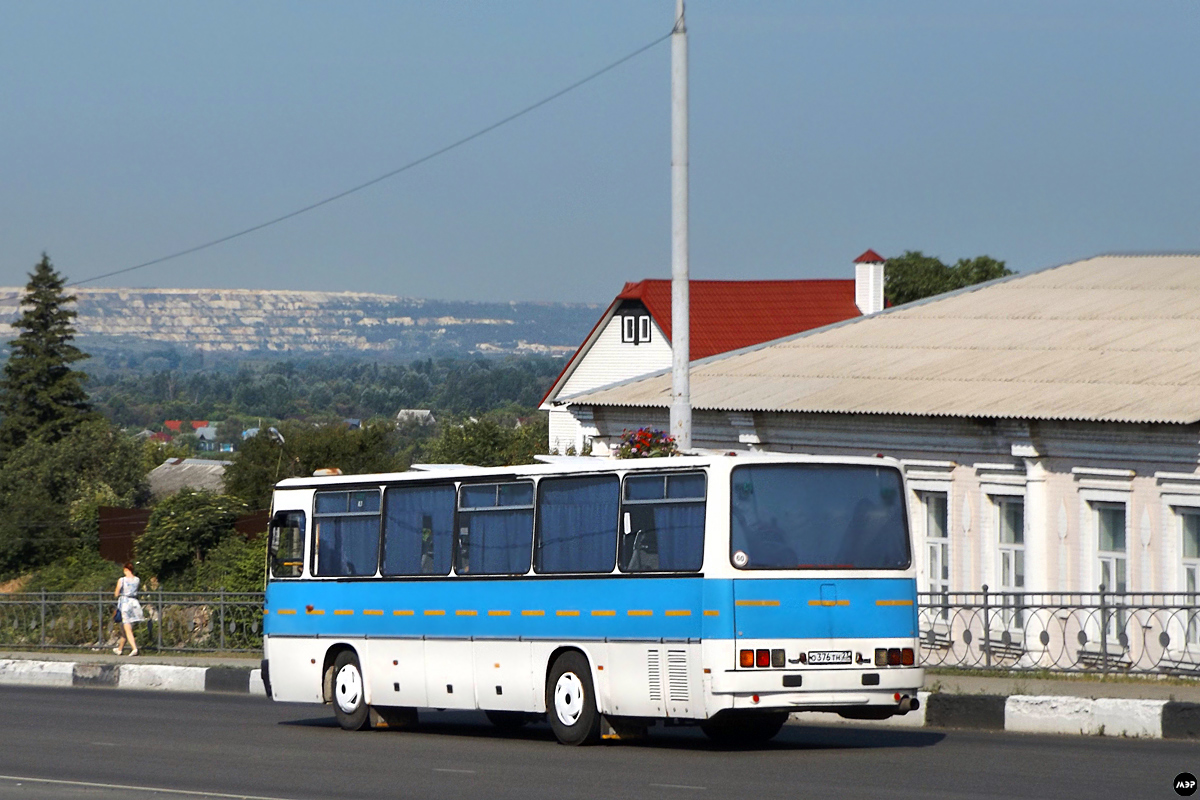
[(729, 315), (1112, 338)]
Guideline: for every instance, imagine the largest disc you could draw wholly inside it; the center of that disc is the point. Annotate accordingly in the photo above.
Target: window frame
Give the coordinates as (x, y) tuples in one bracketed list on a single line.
[(537, 520), (936, 585), (303, 527), (314, 555), (665, 474), (437, 484), (459, 510)]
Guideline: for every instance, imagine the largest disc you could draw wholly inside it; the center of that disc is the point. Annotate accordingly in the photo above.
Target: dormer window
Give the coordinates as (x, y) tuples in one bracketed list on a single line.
[(635, 328)]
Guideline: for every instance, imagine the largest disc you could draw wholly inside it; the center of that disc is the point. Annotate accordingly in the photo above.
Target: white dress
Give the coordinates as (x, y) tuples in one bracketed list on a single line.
[(127, 603)]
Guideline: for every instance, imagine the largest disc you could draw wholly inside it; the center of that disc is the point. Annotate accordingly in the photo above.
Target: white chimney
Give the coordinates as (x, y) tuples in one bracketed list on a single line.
[(868, 282)]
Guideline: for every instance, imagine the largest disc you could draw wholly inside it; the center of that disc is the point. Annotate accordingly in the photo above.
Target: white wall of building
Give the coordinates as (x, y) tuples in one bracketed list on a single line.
[(1063, 476)]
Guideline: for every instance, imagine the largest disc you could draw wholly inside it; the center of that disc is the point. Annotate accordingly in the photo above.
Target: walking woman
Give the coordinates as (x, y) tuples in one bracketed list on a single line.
[(129, 610)]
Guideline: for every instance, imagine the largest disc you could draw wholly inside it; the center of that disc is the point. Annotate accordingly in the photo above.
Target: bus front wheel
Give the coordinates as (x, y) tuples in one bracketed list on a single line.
[(744, 728), (571, 701), (349, 695)]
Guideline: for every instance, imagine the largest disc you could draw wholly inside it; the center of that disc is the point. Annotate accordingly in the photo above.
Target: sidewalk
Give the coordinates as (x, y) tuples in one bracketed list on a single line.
[(149, 656)]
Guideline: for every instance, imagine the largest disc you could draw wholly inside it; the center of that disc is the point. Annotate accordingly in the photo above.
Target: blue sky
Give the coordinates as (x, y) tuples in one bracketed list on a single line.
[(1034, 132)]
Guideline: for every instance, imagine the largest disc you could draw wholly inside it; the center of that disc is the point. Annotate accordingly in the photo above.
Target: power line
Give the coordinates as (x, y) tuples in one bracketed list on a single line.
[(428, 157)]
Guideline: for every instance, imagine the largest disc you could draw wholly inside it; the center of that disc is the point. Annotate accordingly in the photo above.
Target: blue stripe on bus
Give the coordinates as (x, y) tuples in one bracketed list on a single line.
[(567, 608)]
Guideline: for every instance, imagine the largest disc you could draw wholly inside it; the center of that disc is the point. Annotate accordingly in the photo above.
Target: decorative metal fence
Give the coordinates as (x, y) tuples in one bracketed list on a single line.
[(1091, 632), (175, 621)]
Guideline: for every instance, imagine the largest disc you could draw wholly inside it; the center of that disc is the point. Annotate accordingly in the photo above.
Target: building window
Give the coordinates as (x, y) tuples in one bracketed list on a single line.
[(1189, 519), (1010, 515), (937, 548), (1110, 538), (635, 328)]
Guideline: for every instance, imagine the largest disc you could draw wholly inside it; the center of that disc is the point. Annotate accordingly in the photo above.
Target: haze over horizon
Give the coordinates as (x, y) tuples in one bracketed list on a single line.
[(1035, 135)]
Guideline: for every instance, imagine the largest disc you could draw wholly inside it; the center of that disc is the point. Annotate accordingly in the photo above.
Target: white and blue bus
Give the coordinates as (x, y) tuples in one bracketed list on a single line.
[(604, 594)]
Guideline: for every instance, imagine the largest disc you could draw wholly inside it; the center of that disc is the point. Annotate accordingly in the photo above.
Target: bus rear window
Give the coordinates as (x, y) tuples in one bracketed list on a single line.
[(818, 516)]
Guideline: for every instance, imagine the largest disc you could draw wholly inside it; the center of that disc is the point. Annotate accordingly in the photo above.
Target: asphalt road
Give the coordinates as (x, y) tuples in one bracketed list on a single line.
[(79, 743)]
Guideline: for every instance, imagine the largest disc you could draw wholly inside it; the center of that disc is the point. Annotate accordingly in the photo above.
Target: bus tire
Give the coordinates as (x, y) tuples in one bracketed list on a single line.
[(349, 692), (508, 721), (744, 728), (571, 701)]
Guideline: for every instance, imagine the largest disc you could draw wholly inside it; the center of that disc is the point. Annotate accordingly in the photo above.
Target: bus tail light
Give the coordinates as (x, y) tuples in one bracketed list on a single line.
[(906, 657), (893, 657), (747, 658), (880, 657), (777, 658), (762, 658)]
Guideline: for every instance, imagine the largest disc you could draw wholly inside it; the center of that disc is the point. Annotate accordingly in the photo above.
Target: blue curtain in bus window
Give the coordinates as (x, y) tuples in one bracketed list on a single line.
[(577, 524), (347, 545), (418, 530), (680, 531), (498, 542)]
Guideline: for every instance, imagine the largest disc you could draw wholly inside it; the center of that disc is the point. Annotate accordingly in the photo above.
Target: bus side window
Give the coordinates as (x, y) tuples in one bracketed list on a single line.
[(577, 524), (286, 544), (662, 523), (495, 528), (418, 530), (346, 533)]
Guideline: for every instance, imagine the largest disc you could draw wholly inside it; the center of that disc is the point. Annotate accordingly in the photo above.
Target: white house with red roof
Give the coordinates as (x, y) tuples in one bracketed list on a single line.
[(633, 335)]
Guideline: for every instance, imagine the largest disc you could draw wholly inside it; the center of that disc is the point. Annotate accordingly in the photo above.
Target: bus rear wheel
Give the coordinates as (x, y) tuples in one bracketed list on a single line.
[(349, 695), (571, 701), (744, 728)]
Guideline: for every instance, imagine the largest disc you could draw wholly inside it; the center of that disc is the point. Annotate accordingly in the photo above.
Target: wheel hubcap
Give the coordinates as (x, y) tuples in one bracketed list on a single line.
[(347, 688), (568, 698)]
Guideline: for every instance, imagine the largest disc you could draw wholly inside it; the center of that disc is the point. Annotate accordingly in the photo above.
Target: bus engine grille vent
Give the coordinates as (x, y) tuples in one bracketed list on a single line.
[(654, 672), (677, 675)]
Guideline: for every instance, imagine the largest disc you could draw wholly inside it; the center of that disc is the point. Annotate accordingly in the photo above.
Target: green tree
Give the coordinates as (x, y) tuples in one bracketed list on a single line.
[(49, 491), (915, 275), (40, 394), (488, 443), (183, 529), (301, 449)]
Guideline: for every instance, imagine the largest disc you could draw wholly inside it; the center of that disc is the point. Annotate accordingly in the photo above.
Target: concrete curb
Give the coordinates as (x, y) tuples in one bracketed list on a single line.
[(153, 677), (1080, 716)]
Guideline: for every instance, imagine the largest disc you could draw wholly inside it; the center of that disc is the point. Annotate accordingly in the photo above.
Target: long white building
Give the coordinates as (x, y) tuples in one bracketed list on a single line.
[(1049, 422)]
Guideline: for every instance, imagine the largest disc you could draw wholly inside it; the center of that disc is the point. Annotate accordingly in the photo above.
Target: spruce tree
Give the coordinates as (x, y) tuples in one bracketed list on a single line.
[(40, 394)]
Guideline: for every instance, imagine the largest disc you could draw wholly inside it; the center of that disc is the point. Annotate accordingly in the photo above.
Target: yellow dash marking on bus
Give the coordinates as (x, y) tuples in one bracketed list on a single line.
[(373, 612), (635, 612), (711, 612), (568, 613), (829, 602), (465, 612), (893, 602), (434, 612), (679, 613), (532, 613), (287, 611), (759, 602), (402, 612), (499, 613), (265, 611), (597, 612), (316, 612), (343, 612)]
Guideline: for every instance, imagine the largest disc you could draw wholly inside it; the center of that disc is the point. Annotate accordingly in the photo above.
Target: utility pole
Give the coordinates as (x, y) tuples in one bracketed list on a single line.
[(681, 400)]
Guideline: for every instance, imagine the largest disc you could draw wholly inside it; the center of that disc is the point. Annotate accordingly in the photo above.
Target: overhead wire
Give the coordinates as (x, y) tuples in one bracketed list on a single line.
[(390, 174)]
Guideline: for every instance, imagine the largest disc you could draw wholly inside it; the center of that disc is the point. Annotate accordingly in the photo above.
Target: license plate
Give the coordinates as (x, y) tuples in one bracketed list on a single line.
[(829, 657)]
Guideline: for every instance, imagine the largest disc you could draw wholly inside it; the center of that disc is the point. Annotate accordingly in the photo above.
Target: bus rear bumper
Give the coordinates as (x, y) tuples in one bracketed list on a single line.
[(817, 689)]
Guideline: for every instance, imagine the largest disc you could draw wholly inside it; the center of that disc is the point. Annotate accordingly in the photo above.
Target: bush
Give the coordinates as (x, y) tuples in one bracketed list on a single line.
[(183, 529)]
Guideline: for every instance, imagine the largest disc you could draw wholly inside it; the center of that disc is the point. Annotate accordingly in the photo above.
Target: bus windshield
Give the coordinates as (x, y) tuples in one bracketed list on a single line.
[(818, 516)]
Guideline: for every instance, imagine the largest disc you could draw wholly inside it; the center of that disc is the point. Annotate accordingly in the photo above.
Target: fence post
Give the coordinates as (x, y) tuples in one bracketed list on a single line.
[(43, 626), (222, 617), (100, 618), (1103, 632), (987, 630), (161, 620)]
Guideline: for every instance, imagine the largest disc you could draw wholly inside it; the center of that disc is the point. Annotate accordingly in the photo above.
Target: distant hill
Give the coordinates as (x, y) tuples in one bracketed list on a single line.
[(250, 322)]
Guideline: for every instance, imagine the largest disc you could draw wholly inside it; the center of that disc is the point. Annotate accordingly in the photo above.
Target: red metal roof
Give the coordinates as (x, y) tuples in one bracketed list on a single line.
[(869, 257), (173, 424), (728, 315)]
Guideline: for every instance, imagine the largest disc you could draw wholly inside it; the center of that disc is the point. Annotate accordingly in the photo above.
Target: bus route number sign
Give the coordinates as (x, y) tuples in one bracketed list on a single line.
[(829, 657)]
